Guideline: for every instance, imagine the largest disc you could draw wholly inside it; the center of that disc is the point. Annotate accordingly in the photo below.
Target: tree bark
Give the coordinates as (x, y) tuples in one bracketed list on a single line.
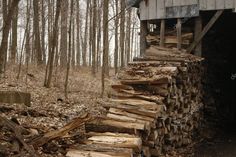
[(116, 38), (37, 41), (105, 42), (128, 34), (85, 35), (64, 23), (78, 56), (14, 36), (94, 37), (122, 34), (69, 55), (5, 33), (54, 42)]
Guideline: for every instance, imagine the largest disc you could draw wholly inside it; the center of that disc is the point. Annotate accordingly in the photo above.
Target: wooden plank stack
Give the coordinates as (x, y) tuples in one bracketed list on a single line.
[(155, 107)]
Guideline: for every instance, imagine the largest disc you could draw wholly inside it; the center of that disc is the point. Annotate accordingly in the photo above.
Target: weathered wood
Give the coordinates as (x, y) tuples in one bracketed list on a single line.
[(15, 97), (205, 30), (18, 134), (75, 123), (198, 29), (116, 141), (79, 153), (179, 32), (162, 33), (98, 148), (143, 34)]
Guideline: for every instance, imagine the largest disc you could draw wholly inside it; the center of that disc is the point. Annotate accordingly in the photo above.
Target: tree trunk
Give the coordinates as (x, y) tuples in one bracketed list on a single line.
[(43, 31), (64, 23), (122, 34), (54, 42), (85, 35), (94, 37), (37, 41), (78, 56), (69, 55), (105, 42), (128, 32), (73, 44), (90, 32), (5, 33), (116, 37), (99, 37), (14, 36)]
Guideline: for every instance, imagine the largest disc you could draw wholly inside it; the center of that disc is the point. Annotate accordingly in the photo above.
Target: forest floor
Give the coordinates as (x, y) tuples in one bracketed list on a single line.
[(50, 110)]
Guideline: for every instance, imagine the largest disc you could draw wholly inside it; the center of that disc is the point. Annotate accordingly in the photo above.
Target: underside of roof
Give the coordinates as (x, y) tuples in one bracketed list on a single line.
[(132, 3)]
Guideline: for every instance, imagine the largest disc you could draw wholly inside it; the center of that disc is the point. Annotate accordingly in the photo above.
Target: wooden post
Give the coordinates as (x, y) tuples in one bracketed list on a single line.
[(197, 31), (179, 36), (162, 33), (143, 34), (205, 30)]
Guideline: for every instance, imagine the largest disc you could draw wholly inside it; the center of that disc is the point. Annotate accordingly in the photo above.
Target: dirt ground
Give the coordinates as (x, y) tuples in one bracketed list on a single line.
[(50, 110), (223, 145)]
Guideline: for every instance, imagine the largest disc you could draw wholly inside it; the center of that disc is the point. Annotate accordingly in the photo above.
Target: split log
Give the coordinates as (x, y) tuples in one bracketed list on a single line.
[(74, 124)]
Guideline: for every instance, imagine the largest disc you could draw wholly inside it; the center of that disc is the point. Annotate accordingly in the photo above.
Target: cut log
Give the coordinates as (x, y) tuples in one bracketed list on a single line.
[(75, 123), (116, 142), (79, 153)]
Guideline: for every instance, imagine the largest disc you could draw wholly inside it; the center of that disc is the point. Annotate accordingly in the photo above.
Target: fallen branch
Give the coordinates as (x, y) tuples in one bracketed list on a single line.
[(17, 130), (75, 123)]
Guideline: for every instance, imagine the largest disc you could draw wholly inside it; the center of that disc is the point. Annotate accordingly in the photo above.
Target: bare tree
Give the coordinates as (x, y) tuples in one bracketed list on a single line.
[(64, 23), (94, 37), (116, 55), (69, 55), (85, 35), (37, 40), (14, 36), (122, 33), (105, 42), (5, 32), (54, 42), (78, 54)]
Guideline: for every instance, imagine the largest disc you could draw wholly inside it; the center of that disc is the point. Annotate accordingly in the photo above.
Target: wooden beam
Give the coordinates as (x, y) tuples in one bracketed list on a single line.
[(143, 34), (205, 30), (179, 36), (162, 33), (197, 31)]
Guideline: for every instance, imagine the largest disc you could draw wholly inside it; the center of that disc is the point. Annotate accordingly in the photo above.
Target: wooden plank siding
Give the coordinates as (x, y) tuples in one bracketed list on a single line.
[(216, 4), (164, 9)]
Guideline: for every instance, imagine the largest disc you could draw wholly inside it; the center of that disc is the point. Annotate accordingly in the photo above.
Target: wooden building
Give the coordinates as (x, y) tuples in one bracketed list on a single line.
[(160, 12), (165, 9)]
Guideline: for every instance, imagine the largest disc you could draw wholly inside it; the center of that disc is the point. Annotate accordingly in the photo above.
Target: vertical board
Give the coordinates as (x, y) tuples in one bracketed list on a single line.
[(203, 4), (177, 3), (160, 5), (229, 4), (168, 3), (143, 11), (211, 4), (152, 9), (234, 5), (220, 4)]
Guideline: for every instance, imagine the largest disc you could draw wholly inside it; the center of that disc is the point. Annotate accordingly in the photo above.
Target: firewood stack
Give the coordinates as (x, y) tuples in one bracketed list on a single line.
[(155, 106)]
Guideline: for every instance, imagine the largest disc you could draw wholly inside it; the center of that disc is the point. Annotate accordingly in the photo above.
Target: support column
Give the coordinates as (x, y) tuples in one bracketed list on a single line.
[(197, 31), (162, 33), (143, 34), (179, 33)]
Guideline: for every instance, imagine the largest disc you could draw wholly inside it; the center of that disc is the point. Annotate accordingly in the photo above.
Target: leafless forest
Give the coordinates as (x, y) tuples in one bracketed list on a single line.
[(117, 78)]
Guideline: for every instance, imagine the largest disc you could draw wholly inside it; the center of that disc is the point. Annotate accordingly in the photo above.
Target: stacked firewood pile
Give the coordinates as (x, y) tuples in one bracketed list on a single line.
[(170, 39), (156, 106)]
